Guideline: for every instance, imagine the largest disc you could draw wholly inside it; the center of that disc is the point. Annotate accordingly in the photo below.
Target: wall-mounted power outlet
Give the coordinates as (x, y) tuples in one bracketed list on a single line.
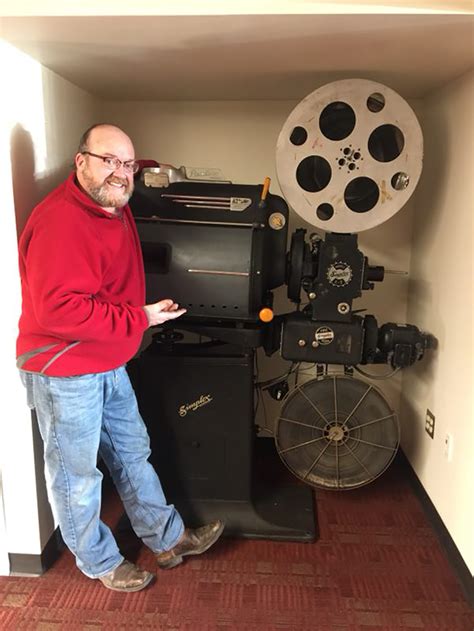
[(448, 446), (429, 423)]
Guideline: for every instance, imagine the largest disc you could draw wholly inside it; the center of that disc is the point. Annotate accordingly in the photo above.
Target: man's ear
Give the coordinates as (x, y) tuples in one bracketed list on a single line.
[(79, 160)]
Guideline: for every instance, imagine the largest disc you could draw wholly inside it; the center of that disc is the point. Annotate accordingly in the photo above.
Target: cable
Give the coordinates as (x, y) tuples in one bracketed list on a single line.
[(257, 401), (264, 408), (264, 385), (265, 429), (295, 369)]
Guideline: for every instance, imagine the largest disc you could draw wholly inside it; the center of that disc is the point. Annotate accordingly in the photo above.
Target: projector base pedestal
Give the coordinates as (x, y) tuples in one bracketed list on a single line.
[(282, 510), (197, 403)]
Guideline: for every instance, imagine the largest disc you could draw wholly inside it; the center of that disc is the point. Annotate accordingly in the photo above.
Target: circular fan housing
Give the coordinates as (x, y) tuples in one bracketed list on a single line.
[(337, 432), (349, 155)]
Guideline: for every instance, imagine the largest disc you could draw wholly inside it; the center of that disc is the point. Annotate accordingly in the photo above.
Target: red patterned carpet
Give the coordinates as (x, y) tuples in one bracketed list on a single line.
[(377, 566)]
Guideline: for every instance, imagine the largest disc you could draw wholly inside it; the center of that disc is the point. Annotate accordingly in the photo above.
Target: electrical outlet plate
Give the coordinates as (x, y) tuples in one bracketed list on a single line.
[(430, 423), (448, 446)]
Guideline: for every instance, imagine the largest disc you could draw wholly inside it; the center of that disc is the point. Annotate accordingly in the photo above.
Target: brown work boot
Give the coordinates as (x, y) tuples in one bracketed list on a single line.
[(192, 542), (127, 577)]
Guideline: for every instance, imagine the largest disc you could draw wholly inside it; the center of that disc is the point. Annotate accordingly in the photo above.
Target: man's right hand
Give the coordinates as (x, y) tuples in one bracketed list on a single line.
[(162, 311)]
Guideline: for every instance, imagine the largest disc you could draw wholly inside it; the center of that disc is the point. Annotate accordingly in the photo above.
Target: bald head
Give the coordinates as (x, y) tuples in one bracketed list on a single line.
[(98, 129)]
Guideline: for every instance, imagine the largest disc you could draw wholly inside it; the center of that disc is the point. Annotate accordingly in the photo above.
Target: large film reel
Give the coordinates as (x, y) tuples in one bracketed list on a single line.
[(337, 433), (349, 155)]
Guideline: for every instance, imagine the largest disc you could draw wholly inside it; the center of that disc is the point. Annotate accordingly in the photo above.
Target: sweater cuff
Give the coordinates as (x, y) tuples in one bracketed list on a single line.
[(142, 317), (146, 317)]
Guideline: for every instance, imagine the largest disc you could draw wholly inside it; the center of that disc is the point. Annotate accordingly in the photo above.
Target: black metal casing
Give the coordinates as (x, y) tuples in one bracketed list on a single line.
[(212, 260), (323, 342)]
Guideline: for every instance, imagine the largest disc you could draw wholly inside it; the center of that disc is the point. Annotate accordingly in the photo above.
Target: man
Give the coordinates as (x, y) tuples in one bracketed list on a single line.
[(83, 317)]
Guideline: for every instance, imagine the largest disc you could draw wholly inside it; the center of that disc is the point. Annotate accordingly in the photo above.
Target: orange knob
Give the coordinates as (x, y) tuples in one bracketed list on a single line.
[(266, 314)]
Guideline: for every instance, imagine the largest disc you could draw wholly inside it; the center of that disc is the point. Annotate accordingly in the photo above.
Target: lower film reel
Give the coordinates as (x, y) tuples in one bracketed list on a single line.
[(349, 155), (337, 433)]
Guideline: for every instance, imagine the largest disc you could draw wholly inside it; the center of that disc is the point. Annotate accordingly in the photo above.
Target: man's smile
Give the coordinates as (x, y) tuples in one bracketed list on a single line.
[(116, 183)]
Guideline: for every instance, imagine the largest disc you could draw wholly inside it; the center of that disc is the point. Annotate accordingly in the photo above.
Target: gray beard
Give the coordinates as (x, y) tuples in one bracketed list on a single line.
[(101, 196)]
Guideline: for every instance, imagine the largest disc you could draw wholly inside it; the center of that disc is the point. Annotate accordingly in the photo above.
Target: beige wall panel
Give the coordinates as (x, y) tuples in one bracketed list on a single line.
[(440, 301)]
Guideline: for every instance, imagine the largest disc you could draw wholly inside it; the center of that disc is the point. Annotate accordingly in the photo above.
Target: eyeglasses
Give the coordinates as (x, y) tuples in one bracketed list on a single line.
[(131, 166)]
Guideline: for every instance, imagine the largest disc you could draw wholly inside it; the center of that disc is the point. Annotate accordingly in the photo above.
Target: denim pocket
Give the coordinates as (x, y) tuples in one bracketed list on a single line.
[(27, 380)]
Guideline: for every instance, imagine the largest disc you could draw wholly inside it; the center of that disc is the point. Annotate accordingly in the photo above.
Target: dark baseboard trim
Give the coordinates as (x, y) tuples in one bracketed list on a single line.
[(454, 556), (37, 564)]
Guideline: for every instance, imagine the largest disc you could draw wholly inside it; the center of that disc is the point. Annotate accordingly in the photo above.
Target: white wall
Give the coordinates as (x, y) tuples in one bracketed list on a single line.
[(440, 301), (41, 120)]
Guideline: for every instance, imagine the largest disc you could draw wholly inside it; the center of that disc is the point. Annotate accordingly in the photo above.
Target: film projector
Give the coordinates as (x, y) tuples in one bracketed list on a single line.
[(348, 157)]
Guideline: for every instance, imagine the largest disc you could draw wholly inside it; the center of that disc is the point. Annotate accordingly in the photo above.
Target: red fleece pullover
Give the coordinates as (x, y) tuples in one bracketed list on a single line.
[(83, 286)]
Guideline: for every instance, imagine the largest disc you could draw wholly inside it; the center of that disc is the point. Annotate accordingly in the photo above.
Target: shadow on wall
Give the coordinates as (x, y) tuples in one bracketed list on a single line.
[(417, 393), (28, 189), (25, 190), (434, 182), (412, 412)]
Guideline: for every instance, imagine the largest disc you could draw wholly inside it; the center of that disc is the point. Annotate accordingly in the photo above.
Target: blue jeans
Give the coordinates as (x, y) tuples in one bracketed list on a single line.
[(79, 418)]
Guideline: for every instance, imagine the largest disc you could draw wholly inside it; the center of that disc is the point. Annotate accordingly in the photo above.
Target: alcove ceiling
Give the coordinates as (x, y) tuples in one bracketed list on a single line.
[(245, 57)]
